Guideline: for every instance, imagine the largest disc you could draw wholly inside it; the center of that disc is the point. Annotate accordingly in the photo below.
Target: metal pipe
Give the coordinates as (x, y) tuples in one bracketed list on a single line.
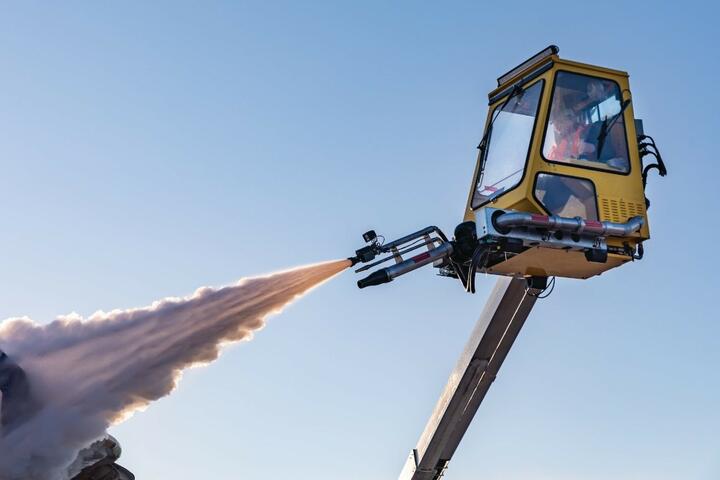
[(425, 231), (574, 225), (402, 251), (386, 274)]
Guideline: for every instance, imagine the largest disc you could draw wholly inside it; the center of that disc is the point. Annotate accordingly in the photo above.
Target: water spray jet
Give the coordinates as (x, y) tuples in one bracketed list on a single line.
[(85, 375)]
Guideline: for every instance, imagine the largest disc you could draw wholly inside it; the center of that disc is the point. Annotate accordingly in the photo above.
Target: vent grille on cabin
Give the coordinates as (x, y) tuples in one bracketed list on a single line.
[(618, 210)]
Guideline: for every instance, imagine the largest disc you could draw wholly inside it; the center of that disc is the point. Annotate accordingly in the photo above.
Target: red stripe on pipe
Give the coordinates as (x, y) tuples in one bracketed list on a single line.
[(540, 218), (421, 257)]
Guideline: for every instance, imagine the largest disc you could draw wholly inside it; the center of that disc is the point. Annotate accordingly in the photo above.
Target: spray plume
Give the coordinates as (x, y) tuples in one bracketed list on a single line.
[(88, 374)]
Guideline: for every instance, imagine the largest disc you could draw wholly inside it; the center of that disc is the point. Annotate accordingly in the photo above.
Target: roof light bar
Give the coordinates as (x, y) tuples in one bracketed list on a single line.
[(551, 50)]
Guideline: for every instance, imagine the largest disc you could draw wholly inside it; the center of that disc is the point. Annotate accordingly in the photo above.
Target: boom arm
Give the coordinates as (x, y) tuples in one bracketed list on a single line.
[(509, 305)]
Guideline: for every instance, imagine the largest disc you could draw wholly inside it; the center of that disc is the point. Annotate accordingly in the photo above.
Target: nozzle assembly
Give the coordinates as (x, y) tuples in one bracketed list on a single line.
[(376, 278), (438, 251)]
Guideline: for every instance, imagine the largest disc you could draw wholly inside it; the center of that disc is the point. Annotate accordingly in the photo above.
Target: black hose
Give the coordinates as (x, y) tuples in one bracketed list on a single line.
[(640, 252), (479, 258)]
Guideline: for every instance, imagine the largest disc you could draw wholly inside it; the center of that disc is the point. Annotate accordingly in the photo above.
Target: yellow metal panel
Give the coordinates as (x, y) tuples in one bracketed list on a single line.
[(548, 262)]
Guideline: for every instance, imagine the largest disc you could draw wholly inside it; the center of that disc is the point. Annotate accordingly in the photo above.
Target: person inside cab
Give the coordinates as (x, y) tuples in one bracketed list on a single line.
[(570, 134), (585, 126)]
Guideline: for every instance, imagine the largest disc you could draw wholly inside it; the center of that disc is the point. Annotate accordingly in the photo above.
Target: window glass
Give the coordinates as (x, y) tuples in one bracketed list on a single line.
[(507, 145), (566, 196), (584, 126)]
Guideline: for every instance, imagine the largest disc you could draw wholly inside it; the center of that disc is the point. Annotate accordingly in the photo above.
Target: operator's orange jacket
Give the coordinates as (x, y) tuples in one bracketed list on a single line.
[(569, 146)]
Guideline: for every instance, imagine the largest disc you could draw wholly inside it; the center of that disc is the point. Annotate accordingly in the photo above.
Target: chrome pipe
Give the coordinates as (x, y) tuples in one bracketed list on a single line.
[(412, 263), (386, 274), (403, 251), (576, 225), (400, 241)]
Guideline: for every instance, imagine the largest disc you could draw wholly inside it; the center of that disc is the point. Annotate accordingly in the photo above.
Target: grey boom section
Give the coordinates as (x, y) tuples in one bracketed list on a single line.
[(505, 313)]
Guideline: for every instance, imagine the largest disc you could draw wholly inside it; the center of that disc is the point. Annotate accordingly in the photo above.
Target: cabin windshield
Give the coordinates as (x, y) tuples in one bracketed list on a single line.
[(586, 126), (508, 144)]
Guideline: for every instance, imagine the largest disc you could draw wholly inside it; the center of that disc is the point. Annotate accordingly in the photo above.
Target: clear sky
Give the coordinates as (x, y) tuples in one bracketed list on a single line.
[(149, 148)]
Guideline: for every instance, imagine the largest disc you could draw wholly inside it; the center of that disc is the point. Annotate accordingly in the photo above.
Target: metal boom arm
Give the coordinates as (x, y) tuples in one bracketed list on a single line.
[(507, 308)]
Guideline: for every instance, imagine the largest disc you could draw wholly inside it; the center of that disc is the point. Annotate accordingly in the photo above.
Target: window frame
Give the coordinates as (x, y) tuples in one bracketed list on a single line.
[(542, 206), (547, 124), (483, 159)]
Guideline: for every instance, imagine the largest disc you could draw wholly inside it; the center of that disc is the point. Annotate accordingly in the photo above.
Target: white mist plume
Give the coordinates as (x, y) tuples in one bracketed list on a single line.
[(90, 374)]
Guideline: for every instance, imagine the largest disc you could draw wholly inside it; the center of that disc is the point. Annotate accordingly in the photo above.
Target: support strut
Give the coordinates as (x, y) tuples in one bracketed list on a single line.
[(505, 313)]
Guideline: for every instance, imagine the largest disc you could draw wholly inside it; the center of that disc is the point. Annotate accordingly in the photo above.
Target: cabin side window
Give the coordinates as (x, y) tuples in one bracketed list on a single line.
[(586, 126), (566, 196), (507, 145)]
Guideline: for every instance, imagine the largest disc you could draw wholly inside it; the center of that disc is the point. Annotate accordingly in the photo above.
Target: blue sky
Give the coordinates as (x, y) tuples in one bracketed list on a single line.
[(147, 150)]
